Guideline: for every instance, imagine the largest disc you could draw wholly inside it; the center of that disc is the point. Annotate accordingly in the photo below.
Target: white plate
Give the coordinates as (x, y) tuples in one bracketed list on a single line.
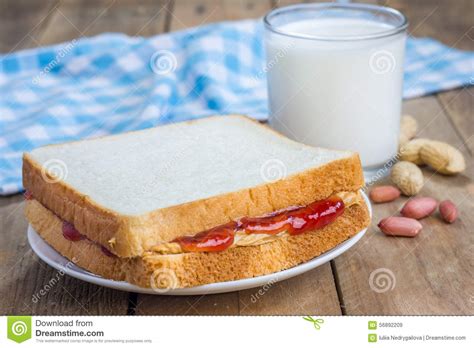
[(55, 260)]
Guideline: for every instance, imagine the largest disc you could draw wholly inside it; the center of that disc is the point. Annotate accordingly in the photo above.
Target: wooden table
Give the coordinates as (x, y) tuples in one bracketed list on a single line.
[(433, 273)]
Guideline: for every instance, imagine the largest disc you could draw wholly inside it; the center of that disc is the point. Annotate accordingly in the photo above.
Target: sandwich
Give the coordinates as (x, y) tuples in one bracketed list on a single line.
[(211, 200)]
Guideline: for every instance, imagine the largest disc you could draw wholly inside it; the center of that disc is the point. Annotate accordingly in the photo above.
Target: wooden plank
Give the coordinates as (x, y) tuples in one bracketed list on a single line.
[(22, 21), (312, 292), (92, 17), (281, 3), (459, 105), (187, 14), (432, 273), (447, 21)]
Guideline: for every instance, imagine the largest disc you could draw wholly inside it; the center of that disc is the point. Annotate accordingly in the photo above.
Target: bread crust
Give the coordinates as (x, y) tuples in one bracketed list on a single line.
[(192, 269), (129, 236)]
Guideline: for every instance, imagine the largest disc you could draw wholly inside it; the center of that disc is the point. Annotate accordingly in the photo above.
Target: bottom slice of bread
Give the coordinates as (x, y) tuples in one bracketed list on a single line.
[(192, 269)]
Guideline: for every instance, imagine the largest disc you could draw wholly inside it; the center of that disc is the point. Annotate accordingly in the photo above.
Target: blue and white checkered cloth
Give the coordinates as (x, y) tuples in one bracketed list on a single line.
[(113, 83)]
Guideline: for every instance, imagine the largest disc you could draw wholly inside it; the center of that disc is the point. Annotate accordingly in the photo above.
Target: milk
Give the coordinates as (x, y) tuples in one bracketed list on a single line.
[(337, 94)]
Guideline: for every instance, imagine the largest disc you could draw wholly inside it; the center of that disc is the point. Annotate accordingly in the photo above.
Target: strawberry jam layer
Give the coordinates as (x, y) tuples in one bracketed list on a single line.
[(70, 232), (215, 239), (294, 221), (73, 235)]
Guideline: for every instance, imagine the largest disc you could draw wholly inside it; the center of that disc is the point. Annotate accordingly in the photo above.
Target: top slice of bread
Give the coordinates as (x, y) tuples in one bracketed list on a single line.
[(131, 191)]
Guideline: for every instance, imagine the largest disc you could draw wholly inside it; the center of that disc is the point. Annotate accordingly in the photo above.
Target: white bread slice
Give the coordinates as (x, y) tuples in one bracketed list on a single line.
[(192, 269), (130, 191)]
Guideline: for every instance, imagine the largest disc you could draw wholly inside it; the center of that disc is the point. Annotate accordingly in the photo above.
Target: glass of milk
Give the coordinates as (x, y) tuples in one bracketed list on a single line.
[(335, 74)]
